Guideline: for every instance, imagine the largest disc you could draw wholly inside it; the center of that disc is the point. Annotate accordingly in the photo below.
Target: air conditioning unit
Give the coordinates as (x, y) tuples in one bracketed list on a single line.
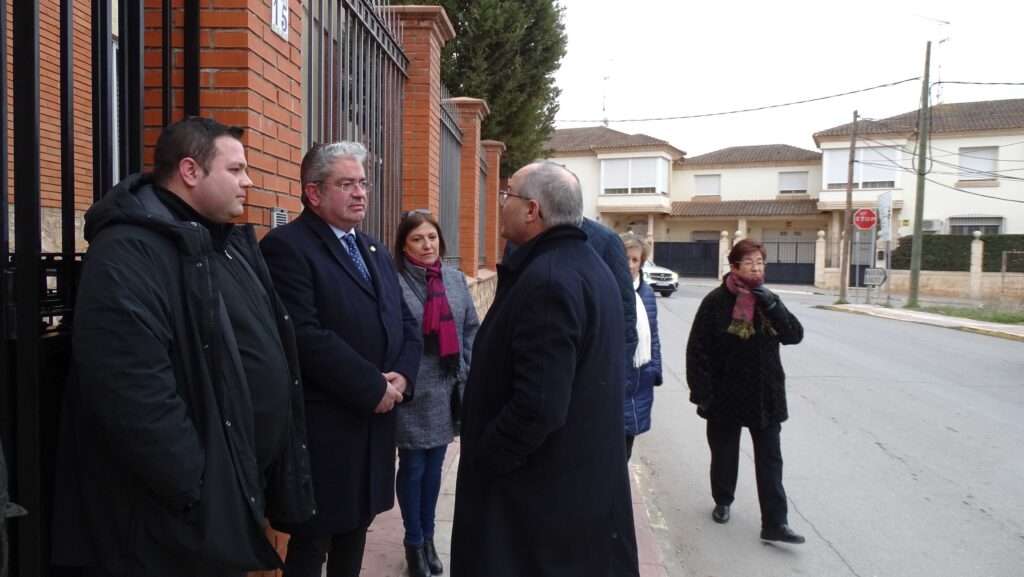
[(933, 225)]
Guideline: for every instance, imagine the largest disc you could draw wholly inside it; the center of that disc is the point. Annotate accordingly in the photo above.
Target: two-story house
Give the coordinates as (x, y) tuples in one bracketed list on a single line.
[(626, 178), (975, 165)]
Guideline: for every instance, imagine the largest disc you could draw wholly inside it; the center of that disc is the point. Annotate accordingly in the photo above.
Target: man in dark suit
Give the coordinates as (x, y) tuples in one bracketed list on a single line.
[(359, 349), (543, 488)]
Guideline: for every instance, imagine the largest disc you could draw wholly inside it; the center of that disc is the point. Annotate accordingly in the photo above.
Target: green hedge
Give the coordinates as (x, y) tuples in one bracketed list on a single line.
[(953, 252)]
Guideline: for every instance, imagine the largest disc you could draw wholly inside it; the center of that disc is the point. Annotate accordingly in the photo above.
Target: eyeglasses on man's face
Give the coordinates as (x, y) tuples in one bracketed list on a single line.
[(752, 263), (505, 193), (348, 185)]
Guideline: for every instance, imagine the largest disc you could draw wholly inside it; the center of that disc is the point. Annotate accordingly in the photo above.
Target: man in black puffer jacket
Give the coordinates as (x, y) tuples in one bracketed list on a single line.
[(184, 425)]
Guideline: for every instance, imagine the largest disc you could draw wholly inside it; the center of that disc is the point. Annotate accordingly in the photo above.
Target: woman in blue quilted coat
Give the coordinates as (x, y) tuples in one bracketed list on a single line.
[(645, 374)]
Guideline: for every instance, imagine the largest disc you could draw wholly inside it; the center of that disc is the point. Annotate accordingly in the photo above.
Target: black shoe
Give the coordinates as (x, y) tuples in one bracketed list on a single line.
[(720, 514), (433, 561), (781, 533), (417, 561)]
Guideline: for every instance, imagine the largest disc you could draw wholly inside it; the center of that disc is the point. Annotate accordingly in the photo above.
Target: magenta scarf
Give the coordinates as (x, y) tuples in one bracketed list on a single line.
[(743, 311), (437, 314)]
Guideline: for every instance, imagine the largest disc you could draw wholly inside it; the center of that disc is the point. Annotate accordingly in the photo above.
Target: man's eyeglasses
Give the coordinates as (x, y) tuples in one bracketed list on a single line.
[(751, 263), (505, 193), (348, 185)]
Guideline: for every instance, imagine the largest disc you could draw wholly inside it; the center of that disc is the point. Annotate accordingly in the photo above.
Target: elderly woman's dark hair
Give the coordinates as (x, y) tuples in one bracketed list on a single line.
[(411, 220), (745, 247)]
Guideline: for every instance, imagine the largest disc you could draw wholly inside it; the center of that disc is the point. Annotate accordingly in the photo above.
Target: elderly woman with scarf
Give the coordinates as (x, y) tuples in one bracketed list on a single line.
[(439, 297), (736, 380), (645, 372)]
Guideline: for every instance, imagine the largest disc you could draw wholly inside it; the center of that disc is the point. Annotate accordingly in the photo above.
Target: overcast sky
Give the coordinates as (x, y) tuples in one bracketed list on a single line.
[(657, 58)]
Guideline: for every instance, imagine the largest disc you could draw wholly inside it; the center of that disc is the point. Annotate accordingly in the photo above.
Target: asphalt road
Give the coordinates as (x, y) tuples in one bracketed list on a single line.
[(904, 454)]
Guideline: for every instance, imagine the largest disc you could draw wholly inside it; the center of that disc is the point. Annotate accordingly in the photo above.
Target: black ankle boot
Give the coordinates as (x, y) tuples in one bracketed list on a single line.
[(433, 561), (417, 561)]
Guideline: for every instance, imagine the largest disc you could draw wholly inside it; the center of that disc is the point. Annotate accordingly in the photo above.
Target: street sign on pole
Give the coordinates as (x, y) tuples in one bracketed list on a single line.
[(865, 218), (885, 216), (874, 276)]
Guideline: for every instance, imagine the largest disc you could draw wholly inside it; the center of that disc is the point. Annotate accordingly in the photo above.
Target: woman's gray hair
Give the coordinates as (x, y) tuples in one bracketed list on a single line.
[(633, 240), (557, 190)]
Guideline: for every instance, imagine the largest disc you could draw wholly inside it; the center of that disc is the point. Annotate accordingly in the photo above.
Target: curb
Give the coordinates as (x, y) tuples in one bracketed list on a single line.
[(924, 321)]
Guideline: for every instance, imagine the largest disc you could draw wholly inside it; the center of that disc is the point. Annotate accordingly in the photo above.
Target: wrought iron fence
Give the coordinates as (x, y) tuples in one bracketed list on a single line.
[(451, 167), (355, 75), (37, 289)]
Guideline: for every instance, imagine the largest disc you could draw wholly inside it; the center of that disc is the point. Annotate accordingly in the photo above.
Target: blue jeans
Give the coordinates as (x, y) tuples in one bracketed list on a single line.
[(418, 485)]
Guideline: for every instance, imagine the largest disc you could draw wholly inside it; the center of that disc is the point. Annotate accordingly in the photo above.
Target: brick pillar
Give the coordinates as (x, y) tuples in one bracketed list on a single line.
[(249, 76), (471, 113), (425, 31), (492, 153)]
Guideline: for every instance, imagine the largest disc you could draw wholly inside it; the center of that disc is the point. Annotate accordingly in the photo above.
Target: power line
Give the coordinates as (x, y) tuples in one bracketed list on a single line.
[(933, 181), (977, 83), (1019, 201), (951, 153), (753, 109)]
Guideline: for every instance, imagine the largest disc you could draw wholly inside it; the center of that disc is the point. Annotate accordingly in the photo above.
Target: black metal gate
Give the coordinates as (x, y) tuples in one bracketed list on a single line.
[(789, 262), (355, 86), (37, 289), (689, 259)]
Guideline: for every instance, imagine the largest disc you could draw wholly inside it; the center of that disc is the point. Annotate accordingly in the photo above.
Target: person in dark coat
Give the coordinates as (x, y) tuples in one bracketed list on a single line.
[(608, 246), (736, 380), (360, 348), (439, 298), (183, 423), (542, 485), (644, 371), (8, 510)]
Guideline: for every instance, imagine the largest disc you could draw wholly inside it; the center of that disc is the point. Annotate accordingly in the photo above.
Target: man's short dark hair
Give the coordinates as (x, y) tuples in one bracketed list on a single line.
[(193, 137)]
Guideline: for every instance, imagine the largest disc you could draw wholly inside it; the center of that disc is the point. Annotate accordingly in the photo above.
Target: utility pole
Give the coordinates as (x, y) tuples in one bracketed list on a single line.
[(844, 251), (922, 149)]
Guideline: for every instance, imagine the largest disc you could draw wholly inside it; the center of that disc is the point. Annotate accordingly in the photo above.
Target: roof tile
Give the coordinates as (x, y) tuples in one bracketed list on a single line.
[(766, 153), (748, 208)]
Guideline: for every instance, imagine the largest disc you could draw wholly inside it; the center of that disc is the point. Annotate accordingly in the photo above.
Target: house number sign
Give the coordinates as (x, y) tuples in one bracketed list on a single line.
[(279, 18)]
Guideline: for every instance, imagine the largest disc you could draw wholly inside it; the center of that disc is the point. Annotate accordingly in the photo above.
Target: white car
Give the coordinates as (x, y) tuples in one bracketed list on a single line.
[(661, 280)]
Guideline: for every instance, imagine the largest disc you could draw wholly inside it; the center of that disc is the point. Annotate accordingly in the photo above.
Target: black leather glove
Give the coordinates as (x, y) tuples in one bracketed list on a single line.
[(766, 298)]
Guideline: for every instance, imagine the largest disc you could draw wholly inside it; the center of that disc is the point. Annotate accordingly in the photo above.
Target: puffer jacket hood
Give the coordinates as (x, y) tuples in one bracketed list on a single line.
[(134, 201)]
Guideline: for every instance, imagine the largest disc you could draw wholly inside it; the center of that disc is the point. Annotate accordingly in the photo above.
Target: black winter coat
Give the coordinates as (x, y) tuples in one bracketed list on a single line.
[(543, 488), (349, 332), (158, 414), (735, 380)]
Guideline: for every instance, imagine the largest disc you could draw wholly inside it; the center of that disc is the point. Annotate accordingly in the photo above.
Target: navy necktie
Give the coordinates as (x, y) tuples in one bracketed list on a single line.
[(349, 241)]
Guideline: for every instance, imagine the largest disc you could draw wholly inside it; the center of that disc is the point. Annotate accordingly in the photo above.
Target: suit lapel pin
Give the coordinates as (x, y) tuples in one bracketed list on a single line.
[(373, 248)]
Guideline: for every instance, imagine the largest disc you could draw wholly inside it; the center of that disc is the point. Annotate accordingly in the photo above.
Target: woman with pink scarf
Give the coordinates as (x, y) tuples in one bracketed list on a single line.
[(438, 297), (736, 380)]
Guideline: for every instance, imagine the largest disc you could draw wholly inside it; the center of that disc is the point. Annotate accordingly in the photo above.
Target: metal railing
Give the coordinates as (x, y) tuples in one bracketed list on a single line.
[(37, 290), (451, 171), (355, 73)]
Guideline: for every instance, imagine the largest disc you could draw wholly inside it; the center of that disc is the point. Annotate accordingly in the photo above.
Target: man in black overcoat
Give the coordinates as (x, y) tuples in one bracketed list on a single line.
[(543, 488), (359, 347), (183, 426)]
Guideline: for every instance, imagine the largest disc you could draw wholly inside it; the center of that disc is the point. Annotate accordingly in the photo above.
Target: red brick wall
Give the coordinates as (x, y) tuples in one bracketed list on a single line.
[(49, 103), (249, 77), (425, 30), (471, 112), (493, 151)]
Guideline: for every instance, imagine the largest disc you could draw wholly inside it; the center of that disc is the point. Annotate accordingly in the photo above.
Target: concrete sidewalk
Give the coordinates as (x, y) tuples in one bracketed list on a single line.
[(385, 555), (1006, 331)]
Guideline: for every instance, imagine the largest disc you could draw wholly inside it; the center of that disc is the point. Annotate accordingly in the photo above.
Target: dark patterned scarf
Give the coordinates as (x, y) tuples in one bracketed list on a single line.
[(743, 311), (437, 314)]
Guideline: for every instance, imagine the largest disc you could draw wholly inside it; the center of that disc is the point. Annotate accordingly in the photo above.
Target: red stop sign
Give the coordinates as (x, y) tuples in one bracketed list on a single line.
[(865, 218)]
